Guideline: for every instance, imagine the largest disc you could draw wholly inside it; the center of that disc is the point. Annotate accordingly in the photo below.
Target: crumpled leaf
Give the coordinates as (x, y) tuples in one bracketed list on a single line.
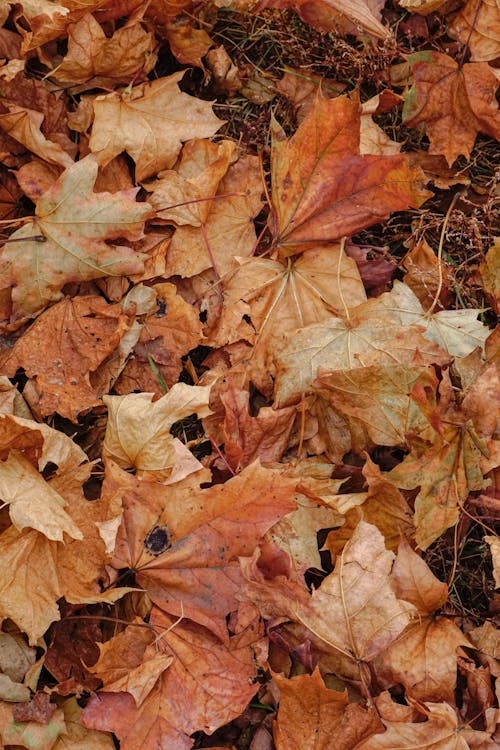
[(149, 122), (247, 438), (434, 643), (454, 102), (169, 332), (74, 223), (96, 61), (23, 124), (124, 665), (446, 470), (382, 505), (322, 189), (138, 428), (63, 347), (190, 695)]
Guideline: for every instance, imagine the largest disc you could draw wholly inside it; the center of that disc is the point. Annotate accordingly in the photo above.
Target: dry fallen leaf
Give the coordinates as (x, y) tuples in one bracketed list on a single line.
[(64, 346), (454, 102), (354, 610), (184, 541), (149, 122), (311, 717), (478, 26), (138, 429), (98, 62), (323, 189), (66, 240)]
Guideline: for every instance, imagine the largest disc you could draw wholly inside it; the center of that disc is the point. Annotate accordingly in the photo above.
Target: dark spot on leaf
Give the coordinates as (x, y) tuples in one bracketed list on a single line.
[(158, 540), (162, 307)]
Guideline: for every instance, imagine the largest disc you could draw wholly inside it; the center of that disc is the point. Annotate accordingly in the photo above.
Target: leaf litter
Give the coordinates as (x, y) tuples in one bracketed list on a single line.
[(249, 388)]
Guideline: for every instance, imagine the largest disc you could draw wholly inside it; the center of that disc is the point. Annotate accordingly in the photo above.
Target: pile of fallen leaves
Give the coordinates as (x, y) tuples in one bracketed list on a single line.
[(248, 401)]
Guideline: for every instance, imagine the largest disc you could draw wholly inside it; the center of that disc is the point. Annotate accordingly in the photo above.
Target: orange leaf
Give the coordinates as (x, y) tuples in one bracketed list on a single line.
[(323, 189), (311, 717), (455, 103)]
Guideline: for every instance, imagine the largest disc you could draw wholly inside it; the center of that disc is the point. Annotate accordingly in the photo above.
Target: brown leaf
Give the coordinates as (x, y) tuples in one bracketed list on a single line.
[(74, 223), (354, 611), (62, 347), (279, 299), (150, 123), (455, 103), (166, 335), (477, 26), (189, 696), (311, 717), (381, 330), (327, 14), (441, 731), (24, 125), (138, 428), (247, 438), (228, 231), (98, 62), (323, 189), (184, 541)]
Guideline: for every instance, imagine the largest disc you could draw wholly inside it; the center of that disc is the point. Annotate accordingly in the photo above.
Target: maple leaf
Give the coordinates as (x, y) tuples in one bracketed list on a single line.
[(383, 506), (441, 731), (169, 332), (476, 25), (184, 542), (381, 330), (433, 641), (24, 124), (124, 665), (190, 695), (312, 717), (228, 229), (149, 122), (247, 438), (98, 62), (280, 298), (180, 195), (446, 471), (36, 572), (323, 189), (455, 103), (376, 403), (354, 610), (64, 345), (74, 223), (326, 15), (138, 428)]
